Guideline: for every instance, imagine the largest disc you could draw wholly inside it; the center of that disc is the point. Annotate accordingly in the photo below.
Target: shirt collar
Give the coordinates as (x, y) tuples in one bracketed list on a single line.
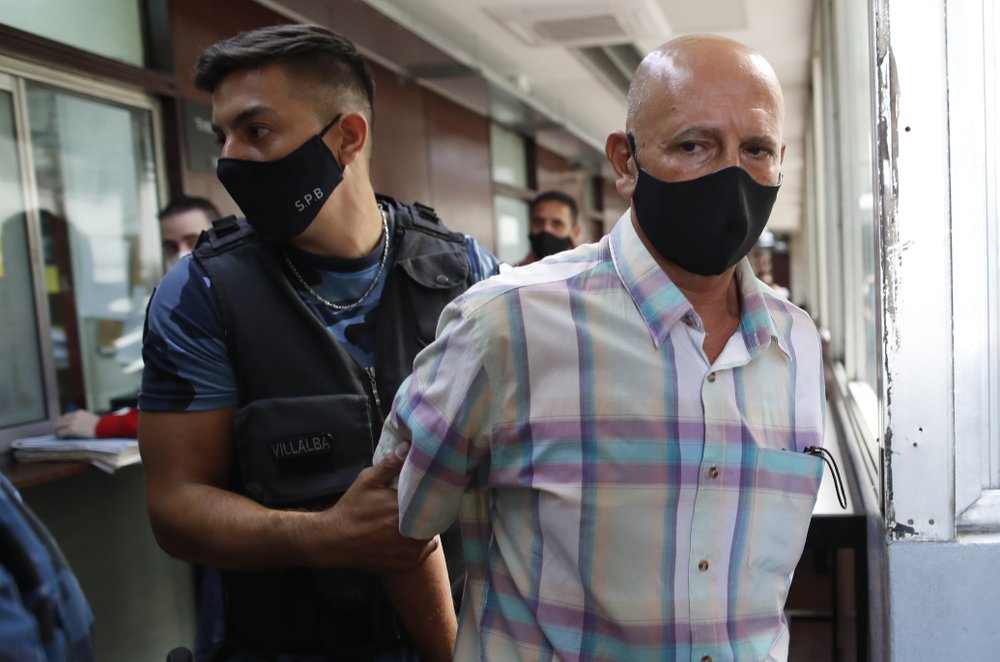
[(662, 305)]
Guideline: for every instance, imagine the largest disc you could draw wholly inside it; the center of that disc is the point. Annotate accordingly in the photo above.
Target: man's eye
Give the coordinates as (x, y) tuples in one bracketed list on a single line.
[(220, 140), (758, 152), (690, 147), (258, 132)]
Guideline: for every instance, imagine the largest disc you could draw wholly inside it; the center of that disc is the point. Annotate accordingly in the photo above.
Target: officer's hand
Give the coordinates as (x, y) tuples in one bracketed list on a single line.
[(364, 524)]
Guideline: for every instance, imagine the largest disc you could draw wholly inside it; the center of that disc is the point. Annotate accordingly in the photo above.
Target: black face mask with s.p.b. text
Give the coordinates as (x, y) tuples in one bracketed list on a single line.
[(281, 198)]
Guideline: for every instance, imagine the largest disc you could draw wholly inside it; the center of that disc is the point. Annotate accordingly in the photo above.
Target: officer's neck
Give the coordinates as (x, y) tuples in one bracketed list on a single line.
[(348, 226)]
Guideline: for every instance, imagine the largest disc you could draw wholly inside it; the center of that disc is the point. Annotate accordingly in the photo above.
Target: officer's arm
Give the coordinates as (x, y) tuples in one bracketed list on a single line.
[(187, 458), (422, 599)]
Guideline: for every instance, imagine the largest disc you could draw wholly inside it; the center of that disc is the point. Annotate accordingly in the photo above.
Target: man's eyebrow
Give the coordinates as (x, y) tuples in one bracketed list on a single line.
[(690, 132), (763, 141), (245, 116)]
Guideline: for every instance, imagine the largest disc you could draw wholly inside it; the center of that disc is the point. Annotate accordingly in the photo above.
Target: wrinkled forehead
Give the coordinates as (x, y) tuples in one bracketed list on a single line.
[(700, 79)]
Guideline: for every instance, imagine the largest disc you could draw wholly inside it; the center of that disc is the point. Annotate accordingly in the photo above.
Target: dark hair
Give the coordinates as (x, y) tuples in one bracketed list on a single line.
[(310, 53), (556, 196), (187, 203)]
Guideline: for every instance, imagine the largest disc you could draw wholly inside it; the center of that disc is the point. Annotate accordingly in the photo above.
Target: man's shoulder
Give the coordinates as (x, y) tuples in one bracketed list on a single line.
[(795, 324), (424, 219), (779, 306), (184, 293), (565, 271)]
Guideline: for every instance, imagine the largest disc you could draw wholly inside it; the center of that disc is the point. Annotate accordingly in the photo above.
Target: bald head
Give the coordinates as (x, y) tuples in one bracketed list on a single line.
[(699, 104), (696, 60)]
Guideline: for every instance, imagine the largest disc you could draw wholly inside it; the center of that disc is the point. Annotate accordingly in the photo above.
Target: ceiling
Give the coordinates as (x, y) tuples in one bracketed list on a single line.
[(558, 69)]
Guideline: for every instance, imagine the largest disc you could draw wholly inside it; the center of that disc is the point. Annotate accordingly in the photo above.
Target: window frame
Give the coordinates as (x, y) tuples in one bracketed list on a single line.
[(973, 64), (837, 239), (15, 73)]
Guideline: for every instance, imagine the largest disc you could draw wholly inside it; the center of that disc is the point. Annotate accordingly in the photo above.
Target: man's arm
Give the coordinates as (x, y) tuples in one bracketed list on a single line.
[(187, 458), (422, 599)]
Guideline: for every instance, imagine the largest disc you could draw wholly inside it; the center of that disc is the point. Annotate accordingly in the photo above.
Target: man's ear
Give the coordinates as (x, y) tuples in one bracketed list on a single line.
[(354, 134), (617, 151)]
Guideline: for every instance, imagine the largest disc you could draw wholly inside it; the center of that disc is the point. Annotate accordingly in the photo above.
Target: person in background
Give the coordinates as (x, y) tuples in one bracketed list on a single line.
[(181, 223), (553, 225), (761, 259), (44, 615), (272, 355), (628, 432)]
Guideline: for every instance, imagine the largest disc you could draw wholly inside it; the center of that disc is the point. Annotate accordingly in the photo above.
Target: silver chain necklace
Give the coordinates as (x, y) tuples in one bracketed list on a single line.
[(349, 306)]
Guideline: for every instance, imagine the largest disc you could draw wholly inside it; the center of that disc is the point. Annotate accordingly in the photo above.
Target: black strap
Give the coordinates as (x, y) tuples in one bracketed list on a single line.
[(838, 483)]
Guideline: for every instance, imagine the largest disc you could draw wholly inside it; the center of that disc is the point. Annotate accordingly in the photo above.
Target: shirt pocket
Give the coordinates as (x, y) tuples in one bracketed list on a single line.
[(785, 485)]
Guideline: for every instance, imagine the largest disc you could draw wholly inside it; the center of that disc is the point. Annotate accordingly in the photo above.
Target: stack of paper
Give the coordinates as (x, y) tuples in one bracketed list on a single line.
[(105, 454)]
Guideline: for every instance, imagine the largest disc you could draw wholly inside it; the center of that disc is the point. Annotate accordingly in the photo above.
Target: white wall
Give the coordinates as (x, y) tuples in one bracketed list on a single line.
[(943, 589), (945, 601)]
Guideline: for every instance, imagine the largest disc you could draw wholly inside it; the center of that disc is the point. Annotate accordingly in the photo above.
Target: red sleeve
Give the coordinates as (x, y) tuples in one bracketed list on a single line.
[(124, 426)]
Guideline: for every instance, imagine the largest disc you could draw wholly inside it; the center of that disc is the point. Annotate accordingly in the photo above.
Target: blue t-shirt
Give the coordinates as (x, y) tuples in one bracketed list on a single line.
[(187, 367)]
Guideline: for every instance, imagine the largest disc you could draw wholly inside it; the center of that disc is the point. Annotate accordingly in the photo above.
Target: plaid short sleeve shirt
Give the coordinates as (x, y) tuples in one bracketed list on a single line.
[(620, 498)]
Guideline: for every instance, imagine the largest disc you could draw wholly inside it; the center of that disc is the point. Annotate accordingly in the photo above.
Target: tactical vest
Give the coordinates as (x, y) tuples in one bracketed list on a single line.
[(309, 418)]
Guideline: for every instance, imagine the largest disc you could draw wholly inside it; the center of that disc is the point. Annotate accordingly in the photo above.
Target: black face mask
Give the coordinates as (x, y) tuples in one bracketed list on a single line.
[(703, 225), (281, 198), (546, 243)]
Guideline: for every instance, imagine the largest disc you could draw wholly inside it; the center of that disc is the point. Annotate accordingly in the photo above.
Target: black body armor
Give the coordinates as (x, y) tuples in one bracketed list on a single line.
[(309, 418)]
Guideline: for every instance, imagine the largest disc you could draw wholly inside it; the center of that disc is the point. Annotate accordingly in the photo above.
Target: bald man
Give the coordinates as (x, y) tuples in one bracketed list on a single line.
[(627, 431)]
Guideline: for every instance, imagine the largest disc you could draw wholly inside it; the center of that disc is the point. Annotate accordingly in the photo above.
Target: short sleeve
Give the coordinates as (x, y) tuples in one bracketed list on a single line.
[(443, 409), (187, 366), (483, 264)]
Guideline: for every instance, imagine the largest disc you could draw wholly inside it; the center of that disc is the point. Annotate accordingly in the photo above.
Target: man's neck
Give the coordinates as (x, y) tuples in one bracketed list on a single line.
[(716, 299)]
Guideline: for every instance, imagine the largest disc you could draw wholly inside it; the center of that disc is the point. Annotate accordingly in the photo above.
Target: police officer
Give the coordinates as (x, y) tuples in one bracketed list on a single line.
[(273, 355)]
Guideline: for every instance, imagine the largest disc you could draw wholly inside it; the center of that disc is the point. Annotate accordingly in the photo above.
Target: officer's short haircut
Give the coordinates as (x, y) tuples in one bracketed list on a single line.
[(325, 66), (557, 196), (185, 203)]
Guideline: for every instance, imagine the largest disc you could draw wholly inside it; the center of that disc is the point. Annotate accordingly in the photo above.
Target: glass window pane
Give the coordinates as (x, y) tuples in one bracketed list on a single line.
[(512, 228), (509, 157), (857, 192), (22, 390), (111, 28), (991, 93), (95, 172)]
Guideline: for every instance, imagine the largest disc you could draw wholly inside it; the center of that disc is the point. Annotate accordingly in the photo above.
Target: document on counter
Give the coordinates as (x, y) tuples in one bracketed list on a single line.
[(105, 454)]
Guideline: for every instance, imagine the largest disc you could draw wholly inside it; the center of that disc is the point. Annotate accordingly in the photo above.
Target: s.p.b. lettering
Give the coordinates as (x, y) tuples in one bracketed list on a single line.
[(309, 199)]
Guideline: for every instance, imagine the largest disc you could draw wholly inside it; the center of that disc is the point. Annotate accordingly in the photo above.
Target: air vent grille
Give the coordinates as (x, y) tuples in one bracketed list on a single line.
[(613, 65), (592, 23), (585, 28)]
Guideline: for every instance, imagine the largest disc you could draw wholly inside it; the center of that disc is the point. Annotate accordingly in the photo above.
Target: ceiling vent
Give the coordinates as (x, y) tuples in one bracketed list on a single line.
[(613, 65), (583, 24)]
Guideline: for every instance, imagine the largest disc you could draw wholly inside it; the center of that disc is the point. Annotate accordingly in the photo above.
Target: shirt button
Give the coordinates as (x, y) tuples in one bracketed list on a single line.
[(703, 565), (442, 279), (713, 472), (711, 377)]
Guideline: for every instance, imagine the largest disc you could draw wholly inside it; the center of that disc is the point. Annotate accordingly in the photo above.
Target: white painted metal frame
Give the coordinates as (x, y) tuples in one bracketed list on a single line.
[(916, 268), (973, 90)]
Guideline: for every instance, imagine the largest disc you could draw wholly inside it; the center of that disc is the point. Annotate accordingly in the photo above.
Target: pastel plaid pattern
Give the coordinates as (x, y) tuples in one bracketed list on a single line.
[(619, 497)]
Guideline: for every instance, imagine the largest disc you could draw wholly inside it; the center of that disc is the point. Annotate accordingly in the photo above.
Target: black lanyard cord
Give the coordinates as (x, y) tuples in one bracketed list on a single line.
[(838, 483)]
